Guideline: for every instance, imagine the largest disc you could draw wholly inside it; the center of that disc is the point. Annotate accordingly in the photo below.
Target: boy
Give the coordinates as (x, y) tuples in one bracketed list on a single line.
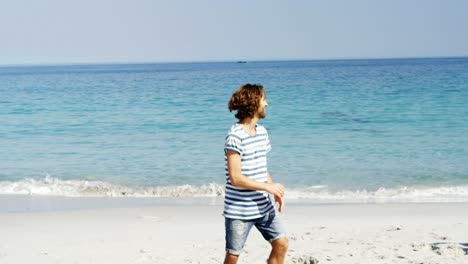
[(247, 201)]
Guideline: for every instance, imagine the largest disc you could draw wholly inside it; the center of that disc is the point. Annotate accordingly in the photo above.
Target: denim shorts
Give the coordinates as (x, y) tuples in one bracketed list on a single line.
[(237, 230)]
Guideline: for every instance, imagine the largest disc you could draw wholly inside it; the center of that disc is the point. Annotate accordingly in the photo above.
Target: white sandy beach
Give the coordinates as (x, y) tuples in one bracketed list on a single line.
[(360, 233)]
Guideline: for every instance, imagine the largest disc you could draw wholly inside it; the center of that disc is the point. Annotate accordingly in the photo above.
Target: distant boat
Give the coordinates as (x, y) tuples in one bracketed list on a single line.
[(241, 62)]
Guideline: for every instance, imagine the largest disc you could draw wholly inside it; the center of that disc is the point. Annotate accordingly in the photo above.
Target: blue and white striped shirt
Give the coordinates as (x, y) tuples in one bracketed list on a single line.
[(240, 203)]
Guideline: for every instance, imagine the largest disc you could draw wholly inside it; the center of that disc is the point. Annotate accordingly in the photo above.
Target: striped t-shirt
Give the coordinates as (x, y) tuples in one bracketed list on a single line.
[(240, 203)]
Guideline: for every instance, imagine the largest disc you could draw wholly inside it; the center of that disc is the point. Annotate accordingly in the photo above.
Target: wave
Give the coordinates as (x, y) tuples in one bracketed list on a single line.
[(83, 188), (50, 186), (385, 195)]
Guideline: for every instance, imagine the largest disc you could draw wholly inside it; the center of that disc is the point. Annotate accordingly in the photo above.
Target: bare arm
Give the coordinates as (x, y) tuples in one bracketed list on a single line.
[(239, 180)]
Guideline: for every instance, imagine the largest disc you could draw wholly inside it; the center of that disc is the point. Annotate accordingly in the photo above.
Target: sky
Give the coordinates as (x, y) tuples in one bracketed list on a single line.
[(142, 31)]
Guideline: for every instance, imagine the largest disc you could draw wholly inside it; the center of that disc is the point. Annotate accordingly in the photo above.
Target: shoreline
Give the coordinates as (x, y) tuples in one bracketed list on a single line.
[(194, 233), (40, 203), (23, 203), (54, 187)]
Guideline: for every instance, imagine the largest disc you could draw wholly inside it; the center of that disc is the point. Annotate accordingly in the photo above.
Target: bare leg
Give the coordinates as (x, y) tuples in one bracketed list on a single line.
[(231, 259), (278, 251)]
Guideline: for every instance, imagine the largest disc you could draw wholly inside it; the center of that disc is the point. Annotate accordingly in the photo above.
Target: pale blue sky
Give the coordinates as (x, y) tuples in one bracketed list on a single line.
[(115, 31)]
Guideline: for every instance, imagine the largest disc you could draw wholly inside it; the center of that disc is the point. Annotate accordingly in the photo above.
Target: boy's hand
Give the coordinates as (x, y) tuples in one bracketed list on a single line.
[(280, 201), (276, 189)]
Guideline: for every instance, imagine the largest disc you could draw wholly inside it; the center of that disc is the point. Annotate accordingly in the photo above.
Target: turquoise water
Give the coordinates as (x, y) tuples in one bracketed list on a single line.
[(336, 127)]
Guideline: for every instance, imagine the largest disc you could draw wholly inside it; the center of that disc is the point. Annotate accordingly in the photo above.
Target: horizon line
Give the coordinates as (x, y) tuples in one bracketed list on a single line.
[(225, 61)]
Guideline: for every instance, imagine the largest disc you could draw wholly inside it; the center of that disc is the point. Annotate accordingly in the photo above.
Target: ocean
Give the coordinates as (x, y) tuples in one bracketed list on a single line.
[(379, 130)]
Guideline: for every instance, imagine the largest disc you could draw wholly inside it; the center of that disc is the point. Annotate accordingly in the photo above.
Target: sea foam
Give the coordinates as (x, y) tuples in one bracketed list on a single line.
[(50, 186)]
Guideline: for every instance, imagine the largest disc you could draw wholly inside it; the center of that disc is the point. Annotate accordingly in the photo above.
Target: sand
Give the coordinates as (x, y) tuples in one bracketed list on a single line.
[(185, 233)]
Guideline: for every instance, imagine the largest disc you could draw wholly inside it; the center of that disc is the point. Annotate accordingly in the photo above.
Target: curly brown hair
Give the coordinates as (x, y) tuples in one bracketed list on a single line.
[(246, 100)]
